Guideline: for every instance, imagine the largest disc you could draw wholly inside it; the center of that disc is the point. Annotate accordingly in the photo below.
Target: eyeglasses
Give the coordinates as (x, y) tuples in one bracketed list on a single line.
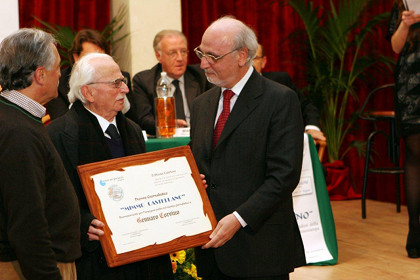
[(117, 83), (211, 58), (258, 57), (173, 54)]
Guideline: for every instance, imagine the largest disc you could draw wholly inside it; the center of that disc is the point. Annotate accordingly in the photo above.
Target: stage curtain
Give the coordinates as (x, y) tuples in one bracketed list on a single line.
[(77, 14), (273, 21)]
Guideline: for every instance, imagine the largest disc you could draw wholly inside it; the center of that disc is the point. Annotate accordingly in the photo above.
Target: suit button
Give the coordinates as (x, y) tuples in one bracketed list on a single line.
[(213, 186)]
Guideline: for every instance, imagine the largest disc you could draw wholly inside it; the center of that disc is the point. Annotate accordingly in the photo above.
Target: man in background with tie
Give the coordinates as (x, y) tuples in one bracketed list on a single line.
[(94, 129), (310, 113), (247, 139), (189, 81)]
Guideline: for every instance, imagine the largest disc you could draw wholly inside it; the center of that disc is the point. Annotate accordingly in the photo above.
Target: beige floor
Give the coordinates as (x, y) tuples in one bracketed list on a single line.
[(367, 249)]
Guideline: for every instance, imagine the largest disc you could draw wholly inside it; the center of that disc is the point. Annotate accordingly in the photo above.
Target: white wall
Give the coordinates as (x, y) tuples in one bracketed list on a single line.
[(145, 18), (9, 17)]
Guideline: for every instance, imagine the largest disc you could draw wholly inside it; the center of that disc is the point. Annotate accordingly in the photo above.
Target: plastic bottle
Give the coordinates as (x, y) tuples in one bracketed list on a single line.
[(165, 108)]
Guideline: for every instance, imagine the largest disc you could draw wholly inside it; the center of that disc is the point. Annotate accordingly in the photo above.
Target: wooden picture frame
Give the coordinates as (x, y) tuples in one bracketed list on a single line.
[(183, 242)]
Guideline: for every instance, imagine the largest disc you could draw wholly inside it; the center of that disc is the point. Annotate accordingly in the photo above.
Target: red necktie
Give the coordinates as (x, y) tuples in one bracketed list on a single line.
[(227, 95)]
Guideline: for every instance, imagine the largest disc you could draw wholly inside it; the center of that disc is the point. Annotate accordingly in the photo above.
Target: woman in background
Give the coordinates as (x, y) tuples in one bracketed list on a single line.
[(404, 33)]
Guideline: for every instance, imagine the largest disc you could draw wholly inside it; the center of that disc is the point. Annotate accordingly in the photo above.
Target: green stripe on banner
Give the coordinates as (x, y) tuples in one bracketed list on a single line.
[(324, 206)]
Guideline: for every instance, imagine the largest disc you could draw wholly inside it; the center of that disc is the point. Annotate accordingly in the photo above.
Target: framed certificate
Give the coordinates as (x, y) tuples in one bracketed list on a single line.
[(152, 204)]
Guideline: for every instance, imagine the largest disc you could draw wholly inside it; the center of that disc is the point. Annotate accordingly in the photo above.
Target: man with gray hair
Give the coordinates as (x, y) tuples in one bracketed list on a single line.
[(247, 139), (39, 215), (94, 129), (189, 81)]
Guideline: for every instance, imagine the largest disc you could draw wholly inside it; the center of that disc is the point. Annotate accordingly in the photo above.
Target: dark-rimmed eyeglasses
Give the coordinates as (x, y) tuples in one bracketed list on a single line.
[(117, 83), (211, 58)]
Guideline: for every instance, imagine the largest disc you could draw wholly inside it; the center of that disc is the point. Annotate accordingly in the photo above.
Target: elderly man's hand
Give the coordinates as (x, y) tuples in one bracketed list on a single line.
[(224, 231), (95, 230), (204, 181)]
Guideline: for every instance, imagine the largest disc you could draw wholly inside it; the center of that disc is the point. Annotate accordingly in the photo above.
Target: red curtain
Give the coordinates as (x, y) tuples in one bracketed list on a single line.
[(273, 21), (77, 14)]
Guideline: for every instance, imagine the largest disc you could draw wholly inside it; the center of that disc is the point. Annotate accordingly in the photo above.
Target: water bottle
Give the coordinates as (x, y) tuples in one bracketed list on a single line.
[(165, 108)]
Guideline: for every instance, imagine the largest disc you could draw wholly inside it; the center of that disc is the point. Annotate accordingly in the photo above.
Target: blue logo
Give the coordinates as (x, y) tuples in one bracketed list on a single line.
[(102, 183)]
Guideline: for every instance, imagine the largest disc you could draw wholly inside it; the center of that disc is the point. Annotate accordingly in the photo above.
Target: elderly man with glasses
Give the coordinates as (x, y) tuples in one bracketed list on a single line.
[(86, 41), (94, 129), (189, 81), (247, 139)]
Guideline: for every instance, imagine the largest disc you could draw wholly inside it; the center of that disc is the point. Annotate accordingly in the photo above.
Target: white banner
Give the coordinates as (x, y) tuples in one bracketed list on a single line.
[(306, 209)]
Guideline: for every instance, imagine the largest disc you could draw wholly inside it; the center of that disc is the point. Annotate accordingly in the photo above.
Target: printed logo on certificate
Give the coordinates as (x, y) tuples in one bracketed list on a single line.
[(152, 204)]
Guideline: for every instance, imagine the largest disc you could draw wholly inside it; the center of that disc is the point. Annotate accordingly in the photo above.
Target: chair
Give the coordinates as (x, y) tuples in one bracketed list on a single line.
[(393, 145)]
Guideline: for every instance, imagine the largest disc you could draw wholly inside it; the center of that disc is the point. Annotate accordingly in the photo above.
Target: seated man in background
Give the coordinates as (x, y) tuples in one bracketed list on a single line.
[(189, 81), (94, 129), (86, 41), (309, 111)]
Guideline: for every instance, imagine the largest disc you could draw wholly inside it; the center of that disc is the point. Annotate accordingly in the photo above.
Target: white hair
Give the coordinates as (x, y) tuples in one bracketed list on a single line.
[(83, 73), (243, 37)]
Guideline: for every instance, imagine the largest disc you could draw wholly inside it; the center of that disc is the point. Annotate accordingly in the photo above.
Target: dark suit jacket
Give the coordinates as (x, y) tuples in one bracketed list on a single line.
[(309, 112), (79, 139), (253, 170), (60, 105), (144, 92)]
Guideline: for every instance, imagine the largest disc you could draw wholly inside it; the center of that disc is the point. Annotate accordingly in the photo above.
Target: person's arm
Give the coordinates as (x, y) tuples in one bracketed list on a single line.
[(399, 38), (143, 110), (310, 113), (23, 197)]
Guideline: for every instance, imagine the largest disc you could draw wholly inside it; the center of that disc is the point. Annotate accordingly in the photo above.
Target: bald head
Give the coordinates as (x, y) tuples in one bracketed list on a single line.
[(227, 49), (236, 34)]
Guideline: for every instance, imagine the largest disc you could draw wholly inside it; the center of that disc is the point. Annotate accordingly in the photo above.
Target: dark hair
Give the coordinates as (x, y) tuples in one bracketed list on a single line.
[(91, 36), (21, 53)]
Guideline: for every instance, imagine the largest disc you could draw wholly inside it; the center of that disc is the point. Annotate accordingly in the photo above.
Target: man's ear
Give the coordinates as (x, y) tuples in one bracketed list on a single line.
[(87, 93), (39, 75), (264, 62), (158, 55), (243, 56)]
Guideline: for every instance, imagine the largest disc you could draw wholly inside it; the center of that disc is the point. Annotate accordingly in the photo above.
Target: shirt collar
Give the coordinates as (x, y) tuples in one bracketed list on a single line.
[(181, 79), (24, 102), (104, 123)]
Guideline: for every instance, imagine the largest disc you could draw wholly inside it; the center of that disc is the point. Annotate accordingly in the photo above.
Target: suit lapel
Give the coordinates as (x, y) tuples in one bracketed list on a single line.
[(211, 104), (246, 103), (191, 87)]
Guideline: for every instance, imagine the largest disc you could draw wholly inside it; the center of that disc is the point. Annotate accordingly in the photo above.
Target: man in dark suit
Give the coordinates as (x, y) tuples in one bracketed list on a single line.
[(94, 129), (247, 139), (171, 51), (309, 112), (85, 41)]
